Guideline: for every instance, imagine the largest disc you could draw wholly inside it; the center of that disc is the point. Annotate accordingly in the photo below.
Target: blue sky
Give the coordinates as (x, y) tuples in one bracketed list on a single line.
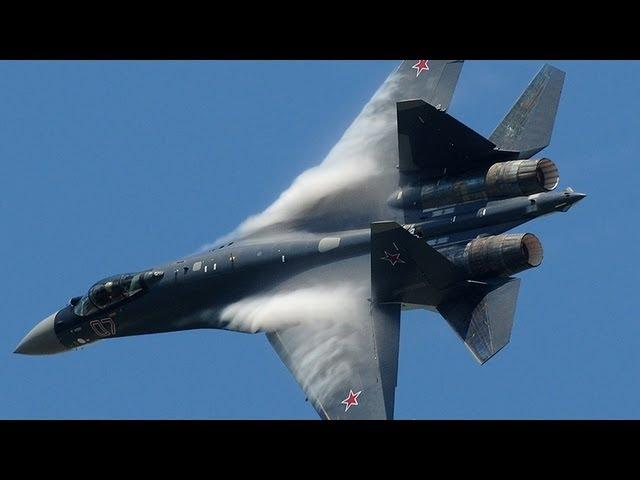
[(116, 166)]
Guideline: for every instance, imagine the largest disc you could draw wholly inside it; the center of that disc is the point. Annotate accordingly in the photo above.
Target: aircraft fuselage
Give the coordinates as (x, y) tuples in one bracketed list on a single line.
[(192, 292)]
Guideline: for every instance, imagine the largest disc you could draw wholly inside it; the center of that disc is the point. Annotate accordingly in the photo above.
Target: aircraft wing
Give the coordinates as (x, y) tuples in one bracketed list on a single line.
[(349, 188), (433, 81), (347, 365)]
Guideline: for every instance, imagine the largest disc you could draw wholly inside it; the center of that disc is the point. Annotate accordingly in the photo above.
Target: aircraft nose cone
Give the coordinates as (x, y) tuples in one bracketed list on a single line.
[(41, 340)]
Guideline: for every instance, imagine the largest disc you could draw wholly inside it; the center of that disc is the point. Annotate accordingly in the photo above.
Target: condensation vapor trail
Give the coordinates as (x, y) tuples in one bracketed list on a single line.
[(343, 190)]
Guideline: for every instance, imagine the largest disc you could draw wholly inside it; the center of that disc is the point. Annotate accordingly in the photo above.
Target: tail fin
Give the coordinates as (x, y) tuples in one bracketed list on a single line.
[(483, 316), (404, 268), (528, 125), (432, 142)]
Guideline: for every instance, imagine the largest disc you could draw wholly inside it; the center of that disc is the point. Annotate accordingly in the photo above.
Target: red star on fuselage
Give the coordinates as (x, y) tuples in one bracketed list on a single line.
[(421, 66), (392, 258), (351, 400)]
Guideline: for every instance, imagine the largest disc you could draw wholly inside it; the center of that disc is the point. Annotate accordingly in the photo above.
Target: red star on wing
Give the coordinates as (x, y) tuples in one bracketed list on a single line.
[(392, 258), (351, 400), (421, 66)]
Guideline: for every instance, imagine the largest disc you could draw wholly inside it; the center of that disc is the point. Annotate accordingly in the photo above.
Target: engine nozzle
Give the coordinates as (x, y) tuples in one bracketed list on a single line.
[(504, 254), (521, 177)]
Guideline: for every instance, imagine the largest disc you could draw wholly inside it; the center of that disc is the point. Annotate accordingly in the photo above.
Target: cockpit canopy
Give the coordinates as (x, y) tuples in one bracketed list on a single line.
[(112, 290)]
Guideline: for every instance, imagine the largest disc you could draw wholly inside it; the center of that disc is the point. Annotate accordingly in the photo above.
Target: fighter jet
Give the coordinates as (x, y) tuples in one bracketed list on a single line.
[(424, 226)]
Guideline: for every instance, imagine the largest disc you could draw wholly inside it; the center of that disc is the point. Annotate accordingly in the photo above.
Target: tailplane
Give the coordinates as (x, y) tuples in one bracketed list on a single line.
[(406, 270), (483, 316), (528, 125)]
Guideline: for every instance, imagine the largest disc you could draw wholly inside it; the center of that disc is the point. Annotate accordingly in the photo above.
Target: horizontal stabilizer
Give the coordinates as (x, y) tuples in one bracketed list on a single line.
[(483, 315), (528, 126)]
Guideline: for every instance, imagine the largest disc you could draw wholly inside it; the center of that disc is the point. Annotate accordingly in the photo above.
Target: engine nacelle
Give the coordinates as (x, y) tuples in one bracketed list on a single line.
[(505, 179), (521, 177), (504, 254)]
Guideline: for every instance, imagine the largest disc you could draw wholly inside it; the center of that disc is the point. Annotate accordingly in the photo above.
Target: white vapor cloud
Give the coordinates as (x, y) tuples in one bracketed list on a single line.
[(322, 316), (326, 337), (345, 180), (319, 305)]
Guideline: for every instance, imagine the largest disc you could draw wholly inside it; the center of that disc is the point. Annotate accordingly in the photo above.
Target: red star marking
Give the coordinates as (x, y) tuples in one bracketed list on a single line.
[(421, 66), (351, 400), (392, 258)]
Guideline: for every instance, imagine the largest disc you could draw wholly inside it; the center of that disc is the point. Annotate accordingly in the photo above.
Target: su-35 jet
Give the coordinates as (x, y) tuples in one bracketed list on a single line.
[(419, 222)]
